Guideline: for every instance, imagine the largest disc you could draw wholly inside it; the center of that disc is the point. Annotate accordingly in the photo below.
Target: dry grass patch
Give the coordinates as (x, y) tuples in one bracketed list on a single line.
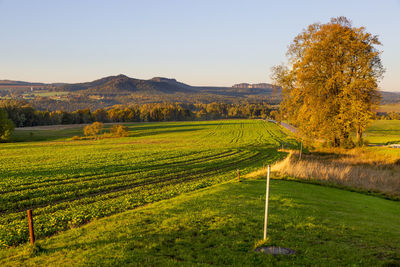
[(357, 156), (354, 169)]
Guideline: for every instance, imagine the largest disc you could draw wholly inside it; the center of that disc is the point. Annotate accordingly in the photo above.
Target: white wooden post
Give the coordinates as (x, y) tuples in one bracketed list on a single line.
[(266, 204)]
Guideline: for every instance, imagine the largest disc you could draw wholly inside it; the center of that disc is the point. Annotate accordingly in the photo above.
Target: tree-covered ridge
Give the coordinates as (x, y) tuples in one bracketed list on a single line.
[(23, 114), (121, 84), (121, 89)]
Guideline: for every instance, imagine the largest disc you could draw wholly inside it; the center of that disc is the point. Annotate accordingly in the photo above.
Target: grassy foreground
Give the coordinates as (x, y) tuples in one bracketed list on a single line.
[(220, 225), (68, 182)]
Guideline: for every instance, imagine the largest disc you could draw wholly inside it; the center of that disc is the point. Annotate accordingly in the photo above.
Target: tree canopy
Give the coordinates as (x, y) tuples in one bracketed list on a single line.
[(330, 84), (6, 126), (119, 130), (93, 129), (24, 114)]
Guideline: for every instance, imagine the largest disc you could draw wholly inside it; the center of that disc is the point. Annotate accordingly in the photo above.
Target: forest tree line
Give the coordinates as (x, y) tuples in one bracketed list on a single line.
[(392, 115), (24, 114)]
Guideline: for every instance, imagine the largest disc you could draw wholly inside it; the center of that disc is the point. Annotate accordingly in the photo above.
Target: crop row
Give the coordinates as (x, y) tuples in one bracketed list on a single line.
[(119, 174)]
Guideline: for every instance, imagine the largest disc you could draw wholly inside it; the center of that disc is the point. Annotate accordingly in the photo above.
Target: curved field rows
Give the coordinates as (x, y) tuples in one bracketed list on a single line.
[(68, 183)]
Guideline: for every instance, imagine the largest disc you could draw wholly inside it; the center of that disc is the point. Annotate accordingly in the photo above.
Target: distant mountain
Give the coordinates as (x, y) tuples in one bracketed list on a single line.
[(122, 84), (390, 97), (121, 89), (9, 83)]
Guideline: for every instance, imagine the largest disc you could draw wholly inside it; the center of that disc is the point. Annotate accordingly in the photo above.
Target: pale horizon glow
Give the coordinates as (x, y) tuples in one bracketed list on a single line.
[(214, 43)]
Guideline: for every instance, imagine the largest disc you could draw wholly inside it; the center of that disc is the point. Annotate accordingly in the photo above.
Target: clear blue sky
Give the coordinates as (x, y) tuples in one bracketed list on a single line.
[(203, 42)]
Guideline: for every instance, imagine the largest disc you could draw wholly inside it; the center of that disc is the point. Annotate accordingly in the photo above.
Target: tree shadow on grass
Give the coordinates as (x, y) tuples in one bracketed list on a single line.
[(180, 124), (151, 133)]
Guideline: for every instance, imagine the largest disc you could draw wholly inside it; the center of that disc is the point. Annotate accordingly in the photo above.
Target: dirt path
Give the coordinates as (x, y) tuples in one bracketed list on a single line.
[(285, 125), (289, 127)]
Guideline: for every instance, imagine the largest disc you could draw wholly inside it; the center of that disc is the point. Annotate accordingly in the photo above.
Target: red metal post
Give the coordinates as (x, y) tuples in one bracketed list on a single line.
[(30, 223)]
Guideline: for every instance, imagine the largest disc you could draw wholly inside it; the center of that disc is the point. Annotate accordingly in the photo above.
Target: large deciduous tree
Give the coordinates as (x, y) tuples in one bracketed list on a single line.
[(330, 84)]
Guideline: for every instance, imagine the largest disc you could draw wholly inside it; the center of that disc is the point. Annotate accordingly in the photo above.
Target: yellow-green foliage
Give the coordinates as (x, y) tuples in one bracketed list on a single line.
[(75, 137), (93, 129), (119, 130), (6, 126), (330, 86)]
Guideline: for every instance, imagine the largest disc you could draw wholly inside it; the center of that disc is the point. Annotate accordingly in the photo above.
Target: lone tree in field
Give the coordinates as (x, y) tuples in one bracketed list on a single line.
[(330, 84), (93, 130)]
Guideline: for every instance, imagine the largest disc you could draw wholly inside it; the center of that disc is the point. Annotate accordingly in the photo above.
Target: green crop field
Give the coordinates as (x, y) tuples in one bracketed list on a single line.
[(382, 132), (68, 183), (220, 226)]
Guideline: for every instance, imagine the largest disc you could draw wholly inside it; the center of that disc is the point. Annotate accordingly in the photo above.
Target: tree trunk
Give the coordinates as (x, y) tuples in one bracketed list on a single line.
[(336, 142), (359, 137)]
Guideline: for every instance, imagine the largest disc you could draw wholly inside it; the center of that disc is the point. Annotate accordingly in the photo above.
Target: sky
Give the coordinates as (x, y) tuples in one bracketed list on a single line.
[(203, 42)]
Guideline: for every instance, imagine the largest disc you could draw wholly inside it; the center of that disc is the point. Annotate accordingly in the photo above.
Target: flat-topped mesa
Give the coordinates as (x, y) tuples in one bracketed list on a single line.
[(254, 85)]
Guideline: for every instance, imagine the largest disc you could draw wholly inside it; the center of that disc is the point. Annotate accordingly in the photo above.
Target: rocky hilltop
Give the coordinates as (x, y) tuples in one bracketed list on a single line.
[(254, 85)]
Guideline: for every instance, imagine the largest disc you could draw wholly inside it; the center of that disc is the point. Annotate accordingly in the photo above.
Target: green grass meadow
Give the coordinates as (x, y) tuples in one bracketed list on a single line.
[(382, 132), (220, 225), (168, 195)]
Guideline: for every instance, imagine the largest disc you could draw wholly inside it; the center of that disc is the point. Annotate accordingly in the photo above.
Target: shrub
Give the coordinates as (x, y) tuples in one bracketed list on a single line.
[(106, 135), (119, 130), (93, 130)]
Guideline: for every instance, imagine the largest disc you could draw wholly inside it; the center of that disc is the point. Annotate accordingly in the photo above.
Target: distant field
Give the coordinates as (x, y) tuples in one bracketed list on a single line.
[(382, 132), (68, 183), (47, 93), (46, 133), (389, 108)]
